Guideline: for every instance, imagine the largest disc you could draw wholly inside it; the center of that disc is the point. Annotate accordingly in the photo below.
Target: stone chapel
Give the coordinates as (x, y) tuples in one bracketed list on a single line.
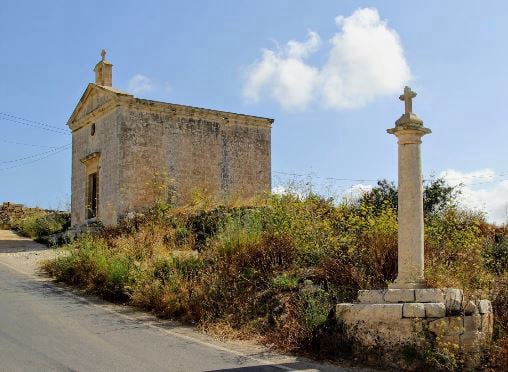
[(120, 142)]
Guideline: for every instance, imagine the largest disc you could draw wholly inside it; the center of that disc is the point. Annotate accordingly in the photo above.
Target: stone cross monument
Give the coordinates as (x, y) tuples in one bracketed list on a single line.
[(407, 313), (409, 130)]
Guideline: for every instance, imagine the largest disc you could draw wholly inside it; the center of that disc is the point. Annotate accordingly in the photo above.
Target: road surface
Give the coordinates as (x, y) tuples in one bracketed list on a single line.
[(45, 326)]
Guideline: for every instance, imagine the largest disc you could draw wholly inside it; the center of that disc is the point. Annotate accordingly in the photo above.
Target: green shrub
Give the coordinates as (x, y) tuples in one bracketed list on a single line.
[(277, 269), (317, 308), (285, 282), (38, 224), (496, 255)]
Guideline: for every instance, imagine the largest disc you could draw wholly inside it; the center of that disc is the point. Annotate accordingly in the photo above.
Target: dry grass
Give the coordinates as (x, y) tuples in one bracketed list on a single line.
[(272, 271)]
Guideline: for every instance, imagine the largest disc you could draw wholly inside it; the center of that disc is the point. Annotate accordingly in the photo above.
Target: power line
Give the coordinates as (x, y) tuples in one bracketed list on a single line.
[(29, 144), (34, 155), (32, 123), (35, 160), (326, 178), (424, 180)]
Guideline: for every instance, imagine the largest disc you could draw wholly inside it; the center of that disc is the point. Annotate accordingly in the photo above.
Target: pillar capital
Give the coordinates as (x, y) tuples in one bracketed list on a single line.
[(409, 133)]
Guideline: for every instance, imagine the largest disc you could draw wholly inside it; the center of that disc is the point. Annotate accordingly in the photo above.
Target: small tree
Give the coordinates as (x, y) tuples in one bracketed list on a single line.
[(436, 196)]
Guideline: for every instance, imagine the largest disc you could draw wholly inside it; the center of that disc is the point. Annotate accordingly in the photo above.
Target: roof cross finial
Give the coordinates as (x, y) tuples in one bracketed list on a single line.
[(103, 54), (407, 97)]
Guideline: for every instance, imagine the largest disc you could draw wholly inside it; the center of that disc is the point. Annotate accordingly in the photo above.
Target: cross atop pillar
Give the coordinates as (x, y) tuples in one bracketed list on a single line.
[(408, 118), (407, 97)]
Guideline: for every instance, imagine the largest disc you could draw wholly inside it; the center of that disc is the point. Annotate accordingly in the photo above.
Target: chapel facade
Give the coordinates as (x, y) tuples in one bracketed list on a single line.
[(121, 144)]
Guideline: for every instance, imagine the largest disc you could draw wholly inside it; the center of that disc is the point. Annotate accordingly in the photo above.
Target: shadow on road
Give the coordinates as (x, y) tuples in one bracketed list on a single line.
[(12, 242), (296, 366)]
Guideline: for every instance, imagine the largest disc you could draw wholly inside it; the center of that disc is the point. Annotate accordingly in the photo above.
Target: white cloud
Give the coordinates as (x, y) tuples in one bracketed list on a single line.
[(366, 60), (279, 190), (140, 84), (290, 81), (356, 191), (481, 191)]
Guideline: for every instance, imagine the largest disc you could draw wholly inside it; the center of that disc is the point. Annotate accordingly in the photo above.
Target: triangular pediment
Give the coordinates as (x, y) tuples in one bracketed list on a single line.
[(93, 99)]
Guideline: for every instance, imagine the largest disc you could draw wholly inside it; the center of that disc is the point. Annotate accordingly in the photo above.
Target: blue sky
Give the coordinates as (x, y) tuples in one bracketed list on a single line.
[(206, 54)]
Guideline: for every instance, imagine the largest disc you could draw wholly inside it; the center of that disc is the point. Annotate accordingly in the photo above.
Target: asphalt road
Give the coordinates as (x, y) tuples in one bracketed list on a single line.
[(47, 327)]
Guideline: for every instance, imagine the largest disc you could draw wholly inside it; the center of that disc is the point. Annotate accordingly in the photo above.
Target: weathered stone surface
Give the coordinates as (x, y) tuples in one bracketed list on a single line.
[(413, 310), (448, 342), (470, 308), (379, 325), (484, 307), (440, 326), (373, 296), (448, 326), (472, 323), (471, 342), (487, 324), (369, 312), (390, 332), (399, 295), (456, 325), (435, 310), (453, 299), (429, 295), (140, 143)]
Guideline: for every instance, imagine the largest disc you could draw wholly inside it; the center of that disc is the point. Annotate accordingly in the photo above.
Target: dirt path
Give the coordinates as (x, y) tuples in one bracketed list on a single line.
[(23, 253)]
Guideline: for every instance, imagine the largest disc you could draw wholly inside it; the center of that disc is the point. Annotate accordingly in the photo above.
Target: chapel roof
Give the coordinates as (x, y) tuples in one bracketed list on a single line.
[(103, 82)]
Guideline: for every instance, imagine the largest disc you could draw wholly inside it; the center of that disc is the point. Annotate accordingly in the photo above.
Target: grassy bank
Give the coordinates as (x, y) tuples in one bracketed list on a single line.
[(38, 224), (275, 269)]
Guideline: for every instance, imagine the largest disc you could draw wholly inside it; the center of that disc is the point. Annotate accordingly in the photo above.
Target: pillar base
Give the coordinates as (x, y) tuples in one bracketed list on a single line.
[(407, 284), (390, 321)]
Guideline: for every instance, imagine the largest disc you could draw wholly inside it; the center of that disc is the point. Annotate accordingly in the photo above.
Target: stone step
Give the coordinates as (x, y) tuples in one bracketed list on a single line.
[(451, 297)]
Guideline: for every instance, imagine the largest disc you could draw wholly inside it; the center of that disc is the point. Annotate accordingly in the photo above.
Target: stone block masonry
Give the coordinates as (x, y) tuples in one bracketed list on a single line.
[(408, 314), (391, 327), (137, 143)]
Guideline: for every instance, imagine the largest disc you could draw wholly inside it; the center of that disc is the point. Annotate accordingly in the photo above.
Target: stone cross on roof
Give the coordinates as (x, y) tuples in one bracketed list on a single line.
[(103, 54), (407, 97)]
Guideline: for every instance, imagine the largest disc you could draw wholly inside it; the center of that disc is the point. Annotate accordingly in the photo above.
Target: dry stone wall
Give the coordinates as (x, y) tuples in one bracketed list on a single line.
[(10, 211), (13, 211)]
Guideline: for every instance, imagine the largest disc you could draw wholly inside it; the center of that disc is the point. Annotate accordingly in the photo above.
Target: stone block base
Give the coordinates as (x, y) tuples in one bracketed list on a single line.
[(422, 318)]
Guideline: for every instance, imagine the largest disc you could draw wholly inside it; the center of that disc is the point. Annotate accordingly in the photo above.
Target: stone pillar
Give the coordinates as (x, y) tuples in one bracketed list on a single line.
[(409, 130)]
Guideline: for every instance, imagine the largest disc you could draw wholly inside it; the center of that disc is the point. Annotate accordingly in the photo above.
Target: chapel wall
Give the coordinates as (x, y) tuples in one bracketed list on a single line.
[(105, 141), (248, 159), (197, 150)]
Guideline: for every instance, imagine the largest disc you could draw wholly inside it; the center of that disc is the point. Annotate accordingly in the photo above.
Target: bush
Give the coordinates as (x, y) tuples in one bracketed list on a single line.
[(276, 270), (38, 224), (496, 255)]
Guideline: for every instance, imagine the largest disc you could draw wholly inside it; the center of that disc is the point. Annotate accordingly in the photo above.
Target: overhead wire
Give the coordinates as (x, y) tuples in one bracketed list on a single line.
[(28, 144), (32, 123), (60, 130), (34, 155), (37, 159)]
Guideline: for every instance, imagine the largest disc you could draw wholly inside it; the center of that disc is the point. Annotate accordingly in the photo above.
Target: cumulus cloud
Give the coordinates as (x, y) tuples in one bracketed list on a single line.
[(481, 190), (365, 60), (356, 191), (289, 80), (140, 84)]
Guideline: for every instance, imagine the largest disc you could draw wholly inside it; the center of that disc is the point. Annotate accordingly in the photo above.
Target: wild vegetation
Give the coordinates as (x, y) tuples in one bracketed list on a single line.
[(38, 224), (274, 269)]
